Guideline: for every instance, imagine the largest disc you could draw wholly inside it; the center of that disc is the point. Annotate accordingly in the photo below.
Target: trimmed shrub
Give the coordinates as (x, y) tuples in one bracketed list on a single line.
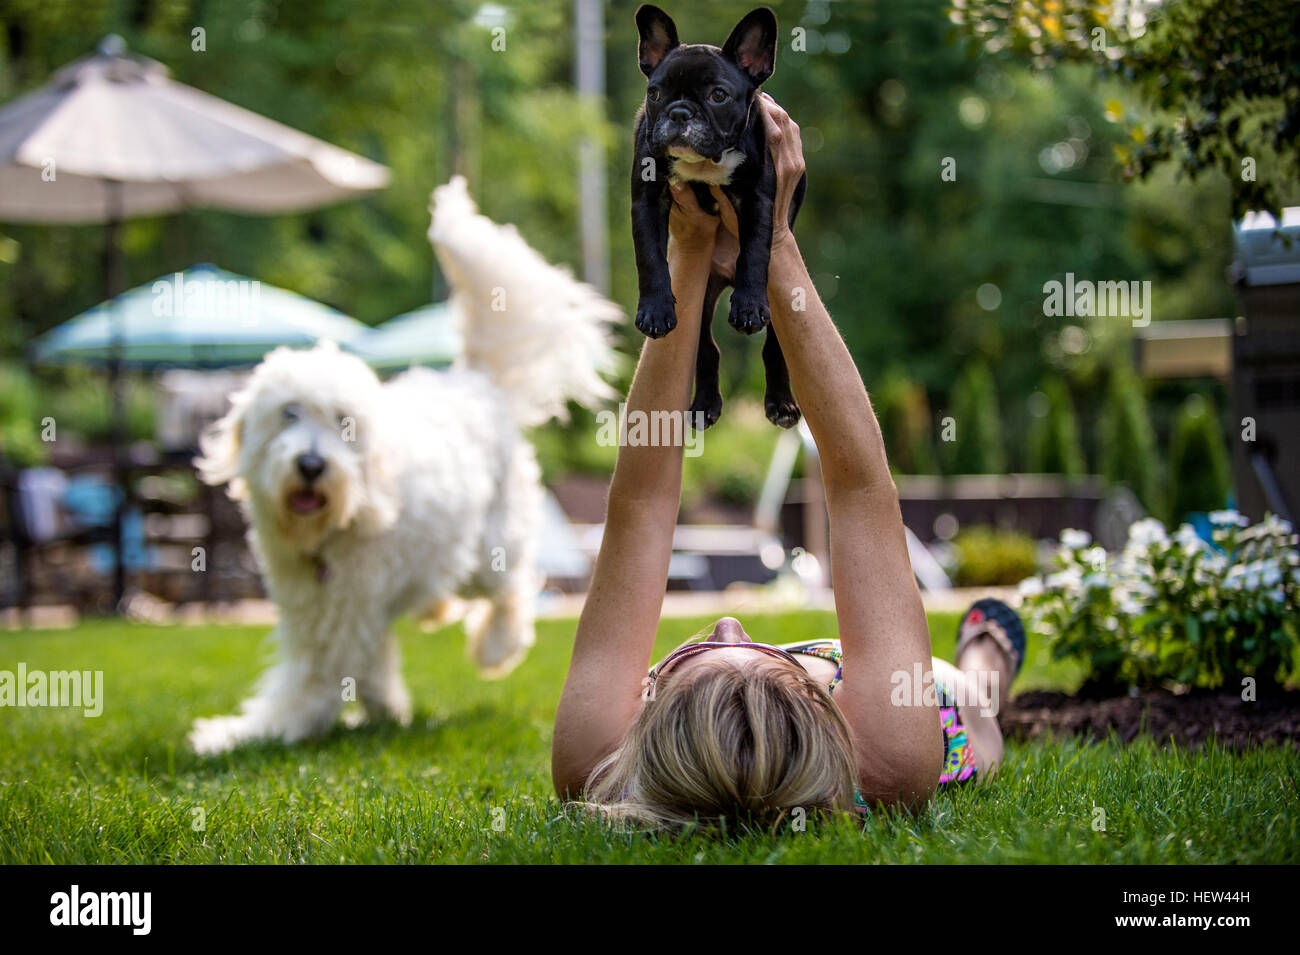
[(977, 448), (903, 410), (1126, 441), (1054, 446), (1199, 476), (988, 557)]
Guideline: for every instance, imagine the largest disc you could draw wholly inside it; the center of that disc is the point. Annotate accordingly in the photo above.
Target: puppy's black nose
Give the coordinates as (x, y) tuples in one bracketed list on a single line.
[(310, 466), (679, 114)]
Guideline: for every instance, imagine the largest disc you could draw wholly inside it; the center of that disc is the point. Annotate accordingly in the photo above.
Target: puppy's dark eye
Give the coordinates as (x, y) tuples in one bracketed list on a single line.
[(653, 94), (292, 412), (719, 95)]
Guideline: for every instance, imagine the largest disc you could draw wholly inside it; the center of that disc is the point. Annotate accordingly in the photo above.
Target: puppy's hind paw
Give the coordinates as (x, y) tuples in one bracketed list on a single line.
[(218, 734), (705, 410), (656, 315), (781, 410), (749, 313)]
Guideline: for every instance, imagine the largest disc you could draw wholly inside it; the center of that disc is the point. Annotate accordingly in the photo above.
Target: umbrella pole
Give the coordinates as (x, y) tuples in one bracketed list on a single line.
[(115, 285)]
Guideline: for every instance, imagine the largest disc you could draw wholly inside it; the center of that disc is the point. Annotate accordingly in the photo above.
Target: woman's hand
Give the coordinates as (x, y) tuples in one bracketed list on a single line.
[(690, 228), (693, 222), (787, 150)]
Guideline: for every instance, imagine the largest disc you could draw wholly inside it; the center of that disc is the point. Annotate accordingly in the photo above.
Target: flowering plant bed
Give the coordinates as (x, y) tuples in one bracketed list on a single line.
[(1174, 611)]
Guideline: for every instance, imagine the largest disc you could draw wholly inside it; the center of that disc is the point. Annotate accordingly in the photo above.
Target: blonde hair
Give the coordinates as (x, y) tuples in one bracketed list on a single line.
[(728, 744)]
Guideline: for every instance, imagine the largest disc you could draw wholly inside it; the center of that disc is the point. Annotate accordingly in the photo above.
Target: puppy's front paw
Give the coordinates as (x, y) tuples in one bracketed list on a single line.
[(749, 313), (656, 315), (781, 410)]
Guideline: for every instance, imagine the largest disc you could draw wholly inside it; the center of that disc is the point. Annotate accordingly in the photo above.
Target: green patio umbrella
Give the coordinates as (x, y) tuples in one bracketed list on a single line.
[(204, 317), (426, 336)]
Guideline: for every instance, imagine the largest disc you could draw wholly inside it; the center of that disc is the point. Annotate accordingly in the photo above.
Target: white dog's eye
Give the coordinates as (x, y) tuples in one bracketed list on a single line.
[(292, 412)]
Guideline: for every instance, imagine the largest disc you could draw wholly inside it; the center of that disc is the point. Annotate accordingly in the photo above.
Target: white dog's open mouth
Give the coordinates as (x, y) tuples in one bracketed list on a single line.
[(306, 501)]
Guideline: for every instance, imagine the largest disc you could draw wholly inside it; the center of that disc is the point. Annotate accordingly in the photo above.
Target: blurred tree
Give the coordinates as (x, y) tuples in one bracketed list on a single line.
[(1054, 446), (1223, 78), (1126, 441), (976, 447), (20, 438), (1199, 477), (903, 409), (944, 189)]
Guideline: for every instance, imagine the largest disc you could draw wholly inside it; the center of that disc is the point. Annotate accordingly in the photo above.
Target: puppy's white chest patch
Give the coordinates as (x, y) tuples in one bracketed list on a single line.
[(686, 165)]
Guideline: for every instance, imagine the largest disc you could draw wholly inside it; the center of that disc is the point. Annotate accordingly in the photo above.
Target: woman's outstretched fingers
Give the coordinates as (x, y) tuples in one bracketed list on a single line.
[(787, 154), (688, 224)]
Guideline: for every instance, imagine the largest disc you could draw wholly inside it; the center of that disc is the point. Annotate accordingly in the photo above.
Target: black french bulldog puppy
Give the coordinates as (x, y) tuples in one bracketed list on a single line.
[(700, 124)]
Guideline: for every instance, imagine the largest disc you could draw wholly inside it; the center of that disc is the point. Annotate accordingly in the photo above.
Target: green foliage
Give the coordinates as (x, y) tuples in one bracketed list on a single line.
[(1199, 473), (732, 463), (1126, 441), (20, 432), (897, 251), (78, 400), (903, 410), (1172, 610), (988, 557), (978, 445), (122, 788), (1054, 446), (1220, 78)]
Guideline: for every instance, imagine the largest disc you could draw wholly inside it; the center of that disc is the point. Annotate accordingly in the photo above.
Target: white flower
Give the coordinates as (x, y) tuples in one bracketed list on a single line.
[(1276, 525), (1094, 557), (1075, 539), (1093, 581), (1215, 563), (1128, 606), (1270, 572), (1189, 539), (1146, 532), (1067, 580), (1030, 587), (1226, 517)]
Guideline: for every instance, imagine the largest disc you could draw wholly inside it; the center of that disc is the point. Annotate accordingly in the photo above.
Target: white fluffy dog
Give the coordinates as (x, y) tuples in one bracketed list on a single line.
[(366, 501)]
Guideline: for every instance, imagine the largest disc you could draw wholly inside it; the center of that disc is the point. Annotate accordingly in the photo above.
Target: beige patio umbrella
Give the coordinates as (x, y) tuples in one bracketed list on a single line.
[(112, 137)]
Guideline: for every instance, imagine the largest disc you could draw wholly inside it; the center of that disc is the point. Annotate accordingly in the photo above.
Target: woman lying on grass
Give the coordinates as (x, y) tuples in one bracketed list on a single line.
[(730, 729)]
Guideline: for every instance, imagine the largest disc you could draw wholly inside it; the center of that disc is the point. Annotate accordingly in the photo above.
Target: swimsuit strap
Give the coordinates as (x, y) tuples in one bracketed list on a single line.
[(828, 649)]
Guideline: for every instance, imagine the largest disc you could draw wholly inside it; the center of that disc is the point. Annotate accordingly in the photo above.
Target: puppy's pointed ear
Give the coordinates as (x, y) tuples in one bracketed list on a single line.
[(658, 37), (219, 445), (752, 45)]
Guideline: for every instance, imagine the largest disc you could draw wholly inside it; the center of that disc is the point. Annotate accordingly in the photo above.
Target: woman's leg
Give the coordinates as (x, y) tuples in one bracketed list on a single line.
[(990, 649)]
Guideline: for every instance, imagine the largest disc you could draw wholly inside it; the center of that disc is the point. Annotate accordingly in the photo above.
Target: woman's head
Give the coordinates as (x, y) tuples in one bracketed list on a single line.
[(737, 734)]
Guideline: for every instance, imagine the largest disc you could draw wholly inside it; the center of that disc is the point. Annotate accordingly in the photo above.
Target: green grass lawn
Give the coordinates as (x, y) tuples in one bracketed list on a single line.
[(123, 787)]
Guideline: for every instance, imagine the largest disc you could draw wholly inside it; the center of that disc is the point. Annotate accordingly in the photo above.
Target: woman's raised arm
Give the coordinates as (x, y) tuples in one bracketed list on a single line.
[(883, 629), (621, 614)]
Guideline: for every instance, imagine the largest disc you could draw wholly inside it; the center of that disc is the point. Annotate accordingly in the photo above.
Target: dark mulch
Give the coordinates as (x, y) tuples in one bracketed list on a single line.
[(1188, 719)]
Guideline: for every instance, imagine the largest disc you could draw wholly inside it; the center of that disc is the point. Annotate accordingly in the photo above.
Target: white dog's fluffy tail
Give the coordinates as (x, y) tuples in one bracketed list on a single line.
[(539, 333)]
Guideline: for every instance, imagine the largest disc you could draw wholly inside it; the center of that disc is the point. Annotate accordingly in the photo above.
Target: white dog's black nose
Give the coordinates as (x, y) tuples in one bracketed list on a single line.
[(310, 466)]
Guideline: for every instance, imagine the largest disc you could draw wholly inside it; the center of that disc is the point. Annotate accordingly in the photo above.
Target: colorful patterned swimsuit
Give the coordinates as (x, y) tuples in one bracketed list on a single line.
[(958, 754)]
